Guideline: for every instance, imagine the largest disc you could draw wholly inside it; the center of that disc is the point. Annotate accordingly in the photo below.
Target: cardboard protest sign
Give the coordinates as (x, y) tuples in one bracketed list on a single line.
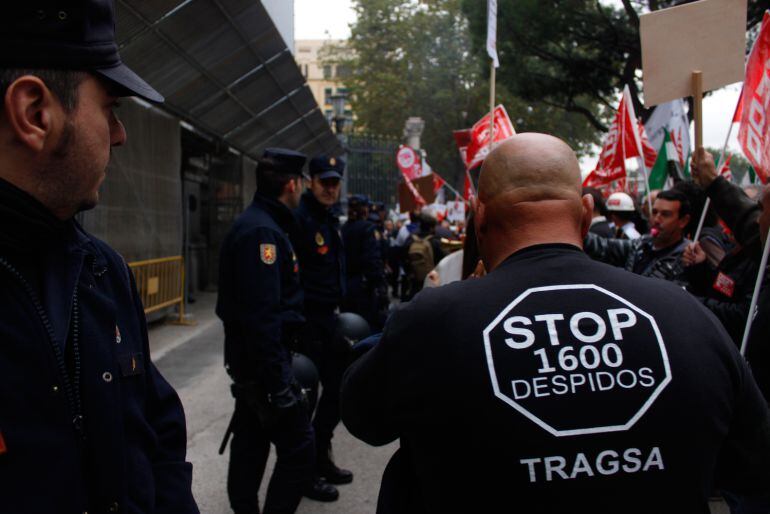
[(709, 36)]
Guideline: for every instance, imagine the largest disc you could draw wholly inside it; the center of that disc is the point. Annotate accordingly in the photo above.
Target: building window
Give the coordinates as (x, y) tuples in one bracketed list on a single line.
[(328, 95), (342, 91), (304, 71), (304, 49), (329, 115), (327, 71), (343, 71)]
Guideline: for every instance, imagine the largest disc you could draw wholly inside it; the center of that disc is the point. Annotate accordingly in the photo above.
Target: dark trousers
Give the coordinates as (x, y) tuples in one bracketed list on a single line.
[(331, 359), (294, 443)]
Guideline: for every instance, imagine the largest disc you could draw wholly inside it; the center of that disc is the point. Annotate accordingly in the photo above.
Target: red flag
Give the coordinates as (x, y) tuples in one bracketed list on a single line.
[(409, 162), (467, 187), (621, 143), (478, 148), (462, 140), (650, 153), (753, 134), (725, 169), (438, 182)]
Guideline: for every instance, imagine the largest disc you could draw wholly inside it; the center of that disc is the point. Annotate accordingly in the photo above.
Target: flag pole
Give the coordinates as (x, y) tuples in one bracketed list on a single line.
[(755, 296), (491, 104), (721, 162), (638, 139)]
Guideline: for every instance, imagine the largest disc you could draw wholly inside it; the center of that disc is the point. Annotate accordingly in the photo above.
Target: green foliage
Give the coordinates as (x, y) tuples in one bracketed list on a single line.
[(415, 58), (576, 55)]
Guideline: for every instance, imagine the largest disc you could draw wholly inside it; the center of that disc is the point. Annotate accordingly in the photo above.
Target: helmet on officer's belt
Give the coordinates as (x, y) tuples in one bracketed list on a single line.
[(352, 328), (307, 375), (620, 202)]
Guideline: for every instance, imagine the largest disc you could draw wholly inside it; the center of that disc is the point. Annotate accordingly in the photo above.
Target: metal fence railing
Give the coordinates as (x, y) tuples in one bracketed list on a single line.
[(160, 283)]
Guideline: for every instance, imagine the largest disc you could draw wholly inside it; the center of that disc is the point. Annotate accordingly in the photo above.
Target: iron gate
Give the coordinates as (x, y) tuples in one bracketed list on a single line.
[(372, 169)]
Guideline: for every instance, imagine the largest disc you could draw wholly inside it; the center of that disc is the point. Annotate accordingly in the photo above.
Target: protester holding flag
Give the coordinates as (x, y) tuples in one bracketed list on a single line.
[(749, 222)]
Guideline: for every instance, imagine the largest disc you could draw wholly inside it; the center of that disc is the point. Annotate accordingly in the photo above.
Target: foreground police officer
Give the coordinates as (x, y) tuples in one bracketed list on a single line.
[(260, 304), (555, 383), (87, 423), (322, 267), (364, 270)]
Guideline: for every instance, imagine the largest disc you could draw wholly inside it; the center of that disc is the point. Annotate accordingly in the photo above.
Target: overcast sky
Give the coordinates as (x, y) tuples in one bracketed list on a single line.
[(316, 19)]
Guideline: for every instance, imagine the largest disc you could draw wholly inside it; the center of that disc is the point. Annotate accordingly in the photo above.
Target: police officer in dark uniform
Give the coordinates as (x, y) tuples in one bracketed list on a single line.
[(364, 271), (260, 304), (555, 383), (322, 270), (87, 422)]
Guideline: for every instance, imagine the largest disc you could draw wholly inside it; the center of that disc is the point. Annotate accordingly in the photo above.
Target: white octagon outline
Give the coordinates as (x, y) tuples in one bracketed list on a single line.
[(578, 431)]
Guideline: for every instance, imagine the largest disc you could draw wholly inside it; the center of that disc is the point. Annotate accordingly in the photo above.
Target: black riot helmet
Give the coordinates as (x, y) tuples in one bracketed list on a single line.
[(351, 328), (307, 375)]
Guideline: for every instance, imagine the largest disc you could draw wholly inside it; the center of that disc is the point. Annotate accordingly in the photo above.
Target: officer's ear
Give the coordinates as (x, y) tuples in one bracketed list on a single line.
[(31, 110), (587, 215)]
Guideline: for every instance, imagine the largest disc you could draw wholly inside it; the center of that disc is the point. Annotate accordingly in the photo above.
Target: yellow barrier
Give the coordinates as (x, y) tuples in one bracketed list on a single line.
[(160, 283)]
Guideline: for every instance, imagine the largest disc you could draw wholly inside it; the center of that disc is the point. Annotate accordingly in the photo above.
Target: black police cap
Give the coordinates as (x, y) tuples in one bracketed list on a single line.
[(282, 160), (358, 201), (324, 166), (67, 35)]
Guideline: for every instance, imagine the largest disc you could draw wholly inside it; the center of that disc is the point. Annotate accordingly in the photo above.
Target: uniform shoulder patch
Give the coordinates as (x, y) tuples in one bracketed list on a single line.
[(267, 253), (319, 239)]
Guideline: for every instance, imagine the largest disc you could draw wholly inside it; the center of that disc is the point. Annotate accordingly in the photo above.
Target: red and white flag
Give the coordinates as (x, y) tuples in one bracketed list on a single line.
[(409, 163), (622, 142), (755, 100), (650, 153), (478, 148)]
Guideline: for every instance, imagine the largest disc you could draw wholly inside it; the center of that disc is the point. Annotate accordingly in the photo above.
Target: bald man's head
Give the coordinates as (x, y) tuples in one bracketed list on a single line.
[(530, 167), (530, 193)]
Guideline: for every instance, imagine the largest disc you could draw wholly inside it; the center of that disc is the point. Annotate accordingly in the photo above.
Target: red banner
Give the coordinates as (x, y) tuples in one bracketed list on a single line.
[(753, 134), (621, 143), (478, 147)]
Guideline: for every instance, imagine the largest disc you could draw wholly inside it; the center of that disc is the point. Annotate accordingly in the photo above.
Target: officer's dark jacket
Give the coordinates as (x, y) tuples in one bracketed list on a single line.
[(87, 423), (740, 213), (320, 252), (363, 255), (442, 380), (260, 299), (638, 256)]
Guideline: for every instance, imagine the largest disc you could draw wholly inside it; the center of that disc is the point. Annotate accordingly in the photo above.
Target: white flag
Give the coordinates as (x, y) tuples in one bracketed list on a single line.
[(492, 31), (671, 116)]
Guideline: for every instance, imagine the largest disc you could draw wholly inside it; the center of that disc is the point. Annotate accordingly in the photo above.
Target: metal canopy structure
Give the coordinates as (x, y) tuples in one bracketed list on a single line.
[(224, 68)]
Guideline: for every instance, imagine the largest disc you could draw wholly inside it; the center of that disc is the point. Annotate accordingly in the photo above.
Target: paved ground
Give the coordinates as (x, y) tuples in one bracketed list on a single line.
[(190, 357)]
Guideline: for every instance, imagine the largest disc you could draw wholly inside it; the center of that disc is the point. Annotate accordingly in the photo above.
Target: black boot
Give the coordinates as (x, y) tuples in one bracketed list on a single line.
[(321, 491), (328, 470)]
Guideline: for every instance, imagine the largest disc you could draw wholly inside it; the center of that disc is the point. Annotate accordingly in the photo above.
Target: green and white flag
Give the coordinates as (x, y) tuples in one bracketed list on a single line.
[(665, 164)]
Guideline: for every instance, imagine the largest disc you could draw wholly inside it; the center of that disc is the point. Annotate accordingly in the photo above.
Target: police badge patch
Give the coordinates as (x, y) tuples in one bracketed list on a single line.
[(267, 253)]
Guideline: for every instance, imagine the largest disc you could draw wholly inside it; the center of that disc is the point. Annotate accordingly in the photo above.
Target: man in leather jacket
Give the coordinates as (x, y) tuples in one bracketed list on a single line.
[(657, 254)]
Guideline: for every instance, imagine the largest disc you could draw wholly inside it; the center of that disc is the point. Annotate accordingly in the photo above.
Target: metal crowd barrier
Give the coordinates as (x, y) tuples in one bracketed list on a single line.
[(160, 283)]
